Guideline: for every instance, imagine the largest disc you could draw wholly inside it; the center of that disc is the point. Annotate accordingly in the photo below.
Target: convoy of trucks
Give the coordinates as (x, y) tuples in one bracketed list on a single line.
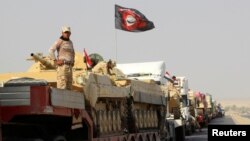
[(135, 104)]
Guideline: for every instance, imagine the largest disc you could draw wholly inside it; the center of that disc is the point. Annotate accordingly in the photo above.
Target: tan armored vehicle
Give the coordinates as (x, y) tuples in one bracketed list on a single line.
[(45, 69), (116, 104), (132, 108)]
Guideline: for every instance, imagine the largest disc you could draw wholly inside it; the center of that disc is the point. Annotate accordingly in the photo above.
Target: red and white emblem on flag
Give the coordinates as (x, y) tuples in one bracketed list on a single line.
[(132, 20)]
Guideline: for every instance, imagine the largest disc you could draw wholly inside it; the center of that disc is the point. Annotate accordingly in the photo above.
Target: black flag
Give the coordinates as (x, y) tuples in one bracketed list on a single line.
[(132, 20)]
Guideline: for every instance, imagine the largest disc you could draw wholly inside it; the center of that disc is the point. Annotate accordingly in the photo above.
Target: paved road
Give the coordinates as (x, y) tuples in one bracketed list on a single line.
[(224, 120), (202, 136), (198, 136)]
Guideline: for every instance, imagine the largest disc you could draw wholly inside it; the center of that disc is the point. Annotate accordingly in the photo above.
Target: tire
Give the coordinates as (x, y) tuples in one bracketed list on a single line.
[(193, 128), (188, 129), (38, 140), (188, 132), (23, 139), (171, 129), (59, 138), (180, 133)]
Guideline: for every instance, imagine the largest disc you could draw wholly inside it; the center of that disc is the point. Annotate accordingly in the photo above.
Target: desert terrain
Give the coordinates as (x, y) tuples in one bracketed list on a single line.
[(238, 109)]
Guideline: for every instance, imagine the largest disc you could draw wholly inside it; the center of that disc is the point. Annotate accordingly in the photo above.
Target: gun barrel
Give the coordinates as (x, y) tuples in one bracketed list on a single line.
[(44, 62)]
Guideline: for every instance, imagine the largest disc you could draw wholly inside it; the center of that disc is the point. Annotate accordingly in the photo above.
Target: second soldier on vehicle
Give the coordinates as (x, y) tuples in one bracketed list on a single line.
[(105, 68)]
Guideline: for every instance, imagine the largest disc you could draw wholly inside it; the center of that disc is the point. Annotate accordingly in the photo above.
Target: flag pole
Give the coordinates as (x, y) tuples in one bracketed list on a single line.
[(115, 45)]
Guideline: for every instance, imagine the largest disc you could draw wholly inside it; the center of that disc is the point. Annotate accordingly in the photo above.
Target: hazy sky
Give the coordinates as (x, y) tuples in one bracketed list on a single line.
[(206, 40)]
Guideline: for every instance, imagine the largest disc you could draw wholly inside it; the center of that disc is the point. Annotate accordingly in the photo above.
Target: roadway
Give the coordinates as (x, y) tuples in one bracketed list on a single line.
[(202, 136)]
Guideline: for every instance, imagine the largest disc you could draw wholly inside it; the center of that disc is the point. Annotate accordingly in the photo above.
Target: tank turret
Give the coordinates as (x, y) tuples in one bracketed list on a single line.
[(44, 62), (43, 67)]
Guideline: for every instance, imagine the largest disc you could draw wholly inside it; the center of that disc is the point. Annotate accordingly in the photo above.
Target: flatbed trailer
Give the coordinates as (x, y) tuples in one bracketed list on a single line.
[(43, 113)]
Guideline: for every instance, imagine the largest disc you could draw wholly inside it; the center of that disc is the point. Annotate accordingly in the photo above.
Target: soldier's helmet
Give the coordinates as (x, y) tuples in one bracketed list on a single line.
[(112, 63)]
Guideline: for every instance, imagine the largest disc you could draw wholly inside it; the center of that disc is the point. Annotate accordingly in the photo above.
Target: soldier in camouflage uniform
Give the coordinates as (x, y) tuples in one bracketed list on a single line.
[(105, 68), (64, 60)]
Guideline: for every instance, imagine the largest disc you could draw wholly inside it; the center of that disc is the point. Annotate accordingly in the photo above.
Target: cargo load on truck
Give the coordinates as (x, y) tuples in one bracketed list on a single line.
[(99, 107), (174, 92)]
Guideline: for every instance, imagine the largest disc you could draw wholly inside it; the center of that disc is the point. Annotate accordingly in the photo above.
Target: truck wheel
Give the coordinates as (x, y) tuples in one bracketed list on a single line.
[(22, 139), (171, 131), (180, 133), (183, 133), (188, 132), (193, 128), (59, 138), (36, 140)]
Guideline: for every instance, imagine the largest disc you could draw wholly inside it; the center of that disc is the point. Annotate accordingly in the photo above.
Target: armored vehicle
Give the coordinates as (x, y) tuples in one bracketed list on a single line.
[(106, 107)]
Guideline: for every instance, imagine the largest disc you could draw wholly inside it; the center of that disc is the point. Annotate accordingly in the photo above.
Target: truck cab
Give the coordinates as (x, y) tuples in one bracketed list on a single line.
[(181, 83)]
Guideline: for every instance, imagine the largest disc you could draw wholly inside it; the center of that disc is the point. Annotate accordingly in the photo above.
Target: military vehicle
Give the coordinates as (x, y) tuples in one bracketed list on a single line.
[(99, 107), (209, 110), (214, 108), (44, 68), (179, 106), (202, 107), (175, 108), (193, 103), (192, 107)]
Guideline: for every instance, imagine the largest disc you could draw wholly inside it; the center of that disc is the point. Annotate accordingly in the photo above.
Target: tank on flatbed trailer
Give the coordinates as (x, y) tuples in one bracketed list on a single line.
[(133, 108), (179, 106), (104, 107), (155, 71), (174, 110)]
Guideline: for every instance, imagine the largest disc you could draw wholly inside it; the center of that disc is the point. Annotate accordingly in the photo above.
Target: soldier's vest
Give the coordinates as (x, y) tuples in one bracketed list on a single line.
[(66, 51)]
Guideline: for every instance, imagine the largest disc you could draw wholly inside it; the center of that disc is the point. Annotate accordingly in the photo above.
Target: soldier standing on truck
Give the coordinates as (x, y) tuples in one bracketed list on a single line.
[(65, 59)]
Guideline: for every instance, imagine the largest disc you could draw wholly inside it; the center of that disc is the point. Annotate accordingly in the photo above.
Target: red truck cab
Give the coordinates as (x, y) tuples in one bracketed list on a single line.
[(42, 112)]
